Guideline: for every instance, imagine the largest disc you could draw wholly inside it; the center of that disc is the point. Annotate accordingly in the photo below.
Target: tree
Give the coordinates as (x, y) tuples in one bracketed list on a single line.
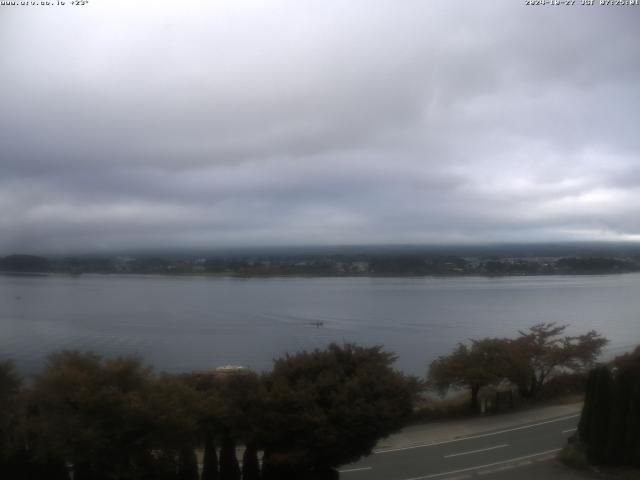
[(241, 408), (229, 468), (172, 413), (18, 458), (588, 408), (210, 459), (89, 412), (250, 464), (163, 466), (609, 426), (330, 407), (49, 468), (596, 425), (232, 406), (187, 464), (10, 384), (108, 416), (542, 351), (624, 432), (484, 363)]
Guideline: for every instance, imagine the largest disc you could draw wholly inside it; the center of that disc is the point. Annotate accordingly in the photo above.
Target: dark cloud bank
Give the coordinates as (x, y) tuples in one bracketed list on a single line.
[(240, 123)]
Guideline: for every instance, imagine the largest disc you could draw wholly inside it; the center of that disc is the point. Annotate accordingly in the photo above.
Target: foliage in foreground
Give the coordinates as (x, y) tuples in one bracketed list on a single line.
[(610, 423), (528, 361), (116, 419), (573, 456), (328, 408)]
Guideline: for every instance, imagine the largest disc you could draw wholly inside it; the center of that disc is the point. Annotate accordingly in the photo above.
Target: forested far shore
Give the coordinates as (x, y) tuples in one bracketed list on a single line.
[(396, 265)]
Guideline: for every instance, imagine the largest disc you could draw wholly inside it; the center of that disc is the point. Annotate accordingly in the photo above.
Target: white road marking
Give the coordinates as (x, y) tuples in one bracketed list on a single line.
[(472, 437), (544, 459), (476, 451), (569, 430), (496, 470), (478, 467), (355, 469)]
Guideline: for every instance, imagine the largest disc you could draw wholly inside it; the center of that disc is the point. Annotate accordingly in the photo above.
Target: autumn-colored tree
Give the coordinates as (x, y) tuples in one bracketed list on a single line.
[(483, 363), (543, 350)]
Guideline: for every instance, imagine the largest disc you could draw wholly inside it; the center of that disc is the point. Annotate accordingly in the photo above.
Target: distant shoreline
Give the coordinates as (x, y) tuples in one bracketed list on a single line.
[(311, 275), (311, 266)]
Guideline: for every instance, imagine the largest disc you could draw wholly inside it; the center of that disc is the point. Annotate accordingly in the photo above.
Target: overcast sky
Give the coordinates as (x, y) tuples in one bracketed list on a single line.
[(239, 123)]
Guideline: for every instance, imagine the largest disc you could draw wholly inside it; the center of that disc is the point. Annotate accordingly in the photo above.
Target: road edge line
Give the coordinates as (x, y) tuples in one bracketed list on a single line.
[(478, 467), (472, 437)]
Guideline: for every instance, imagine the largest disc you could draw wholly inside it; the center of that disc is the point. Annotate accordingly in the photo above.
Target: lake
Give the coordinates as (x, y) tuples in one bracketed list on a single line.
[(197, 323)]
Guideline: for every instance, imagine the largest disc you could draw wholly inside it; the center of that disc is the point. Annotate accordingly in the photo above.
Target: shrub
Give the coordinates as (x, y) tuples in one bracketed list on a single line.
[(430, 408), (574, 456), (564, 384)]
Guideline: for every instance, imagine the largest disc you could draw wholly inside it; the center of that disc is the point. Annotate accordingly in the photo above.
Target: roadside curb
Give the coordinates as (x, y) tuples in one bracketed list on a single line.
[(416, 436)]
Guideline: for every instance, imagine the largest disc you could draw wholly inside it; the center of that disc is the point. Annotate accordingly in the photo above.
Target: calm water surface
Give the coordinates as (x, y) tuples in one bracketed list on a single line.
[(185, 323)]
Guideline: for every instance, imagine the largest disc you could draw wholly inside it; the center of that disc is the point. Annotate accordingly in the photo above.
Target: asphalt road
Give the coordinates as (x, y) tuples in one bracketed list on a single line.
[(483, 454)]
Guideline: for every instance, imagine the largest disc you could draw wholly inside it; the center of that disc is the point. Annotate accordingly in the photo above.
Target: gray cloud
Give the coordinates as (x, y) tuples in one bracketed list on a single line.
[(248, 123)]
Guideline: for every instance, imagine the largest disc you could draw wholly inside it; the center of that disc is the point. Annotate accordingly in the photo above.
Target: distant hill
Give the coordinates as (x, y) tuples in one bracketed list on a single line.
[(24, 263), (496, 250)]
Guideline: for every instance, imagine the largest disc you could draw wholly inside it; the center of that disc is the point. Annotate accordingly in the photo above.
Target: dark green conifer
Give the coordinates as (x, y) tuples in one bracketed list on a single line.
[(618, 421), (187, 464), (165, 466), (586, 419), (627, 410), (610, 423), (250, 464), (229, 468), (600, 419), (632, 437), (210, 460), (16, 465), (49, 468)]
